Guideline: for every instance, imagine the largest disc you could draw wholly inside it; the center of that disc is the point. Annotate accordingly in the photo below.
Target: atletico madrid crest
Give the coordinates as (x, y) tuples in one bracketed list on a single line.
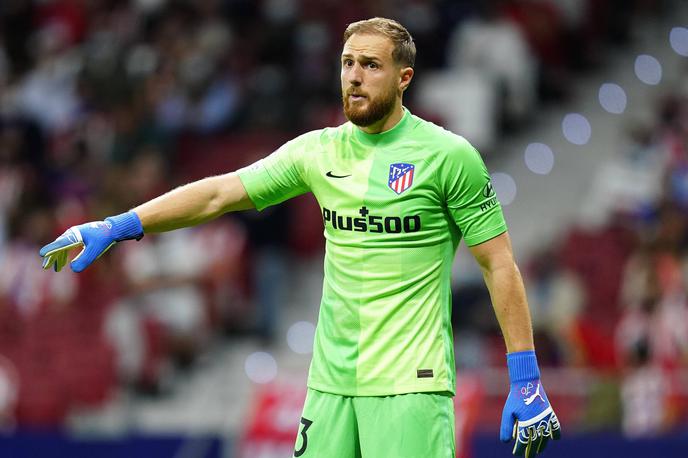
[(400, 176)]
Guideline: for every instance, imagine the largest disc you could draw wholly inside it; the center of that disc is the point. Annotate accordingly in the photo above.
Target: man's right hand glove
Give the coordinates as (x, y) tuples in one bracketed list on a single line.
[(95, 238), (528, 417)]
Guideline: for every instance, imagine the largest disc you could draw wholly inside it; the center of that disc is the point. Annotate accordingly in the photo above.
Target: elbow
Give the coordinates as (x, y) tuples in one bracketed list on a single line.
[(221, 200), (217, 205), (229, 195), (503, 261), (503, 270)]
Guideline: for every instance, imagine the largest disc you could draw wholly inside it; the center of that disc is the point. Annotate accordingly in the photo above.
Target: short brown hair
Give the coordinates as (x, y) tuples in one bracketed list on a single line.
[(404, 52)]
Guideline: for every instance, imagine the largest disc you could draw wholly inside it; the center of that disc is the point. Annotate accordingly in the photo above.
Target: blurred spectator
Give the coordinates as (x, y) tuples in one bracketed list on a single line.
[(463, 102), (47, 94), (25, 290), (556, 298), (171, 307), (496, 48), (631, 182), (21, 164), (644, 395), (268, 236), (657, 311), (164, 275)]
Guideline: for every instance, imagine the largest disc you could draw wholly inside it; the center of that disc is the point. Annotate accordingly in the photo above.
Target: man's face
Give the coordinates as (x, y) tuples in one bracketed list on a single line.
[(370, 78)]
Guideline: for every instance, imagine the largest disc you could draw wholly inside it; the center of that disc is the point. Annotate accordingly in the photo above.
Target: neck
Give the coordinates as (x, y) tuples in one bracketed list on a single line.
[(387, 122)]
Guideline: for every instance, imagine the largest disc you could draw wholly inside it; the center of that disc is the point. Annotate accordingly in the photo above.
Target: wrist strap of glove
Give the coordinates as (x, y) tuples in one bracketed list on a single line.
[(522, 366), (126, 226)]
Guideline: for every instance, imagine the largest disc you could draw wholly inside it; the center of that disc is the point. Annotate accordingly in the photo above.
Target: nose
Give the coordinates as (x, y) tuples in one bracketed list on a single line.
[(354, 75)]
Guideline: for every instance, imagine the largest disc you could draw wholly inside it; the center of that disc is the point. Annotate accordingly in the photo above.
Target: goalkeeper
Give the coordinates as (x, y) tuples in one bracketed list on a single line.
[(397, 195)]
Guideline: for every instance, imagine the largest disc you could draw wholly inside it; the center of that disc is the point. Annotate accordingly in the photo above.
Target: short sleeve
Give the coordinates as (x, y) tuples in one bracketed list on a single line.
[(280, 176), (470, 198)]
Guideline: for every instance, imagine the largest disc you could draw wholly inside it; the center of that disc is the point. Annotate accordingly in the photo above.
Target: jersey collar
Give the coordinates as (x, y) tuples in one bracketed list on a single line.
[(387, 136)]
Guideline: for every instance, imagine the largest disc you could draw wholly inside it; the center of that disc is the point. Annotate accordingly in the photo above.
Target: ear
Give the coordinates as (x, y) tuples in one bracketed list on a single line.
[(405, 77)]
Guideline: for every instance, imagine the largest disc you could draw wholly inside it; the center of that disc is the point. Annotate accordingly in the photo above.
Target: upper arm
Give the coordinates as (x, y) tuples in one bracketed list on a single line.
[(280, 176), (469, 196)]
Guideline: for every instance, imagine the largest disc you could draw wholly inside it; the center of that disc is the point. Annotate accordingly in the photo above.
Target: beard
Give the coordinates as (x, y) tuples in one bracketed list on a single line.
[(366, 114)]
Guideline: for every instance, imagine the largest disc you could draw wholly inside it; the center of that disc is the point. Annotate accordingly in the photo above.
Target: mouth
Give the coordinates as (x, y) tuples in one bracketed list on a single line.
[(357, 97)]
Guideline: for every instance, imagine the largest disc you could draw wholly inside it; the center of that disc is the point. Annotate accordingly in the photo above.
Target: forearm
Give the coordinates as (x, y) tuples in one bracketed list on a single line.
[(193, 204), (508, 296), (527, 416)]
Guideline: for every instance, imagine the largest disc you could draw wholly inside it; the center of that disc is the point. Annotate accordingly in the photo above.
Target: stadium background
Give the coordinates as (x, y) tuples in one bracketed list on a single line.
[(196, 343)]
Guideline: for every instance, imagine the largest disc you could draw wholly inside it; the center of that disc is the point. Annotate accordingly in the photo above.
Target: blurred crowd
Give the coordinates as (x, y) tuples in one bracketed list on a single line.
[(105, 104)]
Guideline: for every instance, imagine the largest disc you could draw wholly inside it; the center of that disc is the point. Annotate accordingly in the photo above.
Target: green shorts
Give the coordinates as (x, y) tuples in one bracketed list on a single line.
[(415, 425)]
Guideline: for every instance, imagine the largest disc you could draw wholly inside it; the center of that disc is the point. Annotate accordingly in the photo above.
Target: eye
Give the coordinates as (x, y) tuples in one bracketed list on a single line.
[(347, 63), (372, 65)]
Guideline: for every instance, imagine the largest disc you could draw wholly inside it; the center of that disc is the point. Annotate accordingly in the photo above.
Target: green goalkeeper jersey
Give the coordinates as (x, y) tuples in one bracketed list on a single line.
[(395, 206)]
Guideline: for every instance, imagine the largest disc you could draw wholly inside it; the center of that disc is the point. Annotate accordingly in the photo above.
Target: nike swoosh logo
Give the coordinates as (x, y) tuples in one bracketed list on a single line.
[(329, 174)]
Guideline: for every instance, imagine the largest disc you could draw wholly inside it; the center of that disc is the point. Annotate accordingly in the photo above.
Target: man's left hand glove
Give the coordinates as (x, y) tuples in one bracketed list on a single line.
[(527, 417), (95, 238)]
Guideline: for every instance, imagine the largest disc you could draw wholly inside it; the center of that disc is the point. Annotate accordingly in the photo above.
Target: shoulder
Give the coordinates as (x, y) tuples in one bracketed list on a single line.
[(342, 132), (308, 138), (449, 146), (318, 138)]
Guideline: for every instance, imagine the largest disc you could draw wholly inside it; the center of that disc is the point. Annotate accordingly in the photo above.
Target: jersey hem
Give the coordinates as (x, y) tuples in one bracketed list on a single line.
[(485, 236), (246, 180), (382, 392)]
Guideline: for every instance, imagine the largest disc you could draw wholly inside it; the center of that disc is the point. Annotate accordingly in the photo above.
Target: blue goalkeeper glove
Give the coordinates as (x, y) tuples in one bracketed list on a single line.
[(95, 238), (527, 417)]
